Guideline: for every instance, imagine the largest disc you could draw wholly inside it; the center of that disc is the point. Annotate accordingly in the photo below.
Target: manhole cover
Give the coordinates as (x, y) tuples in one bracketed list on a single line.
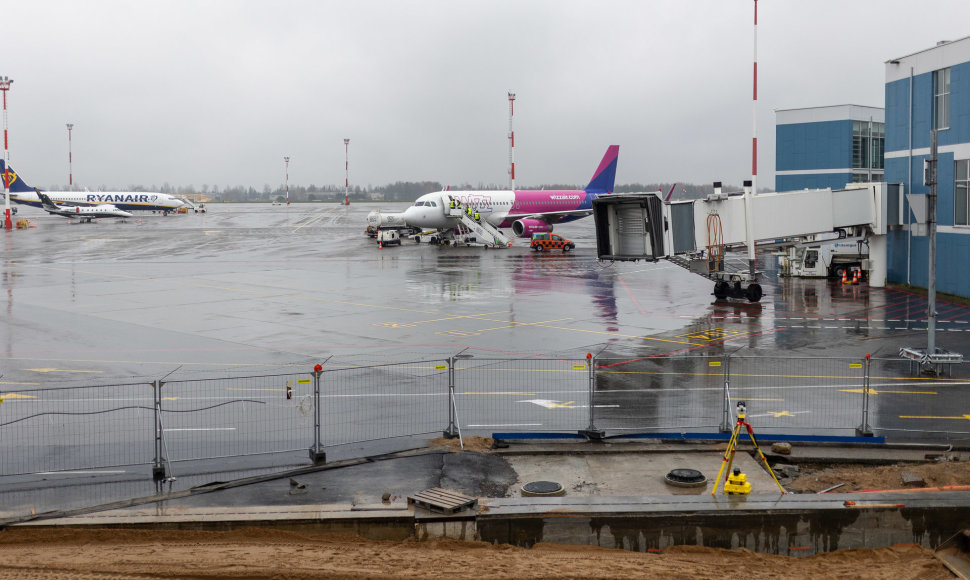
[(685, 478), (542, 488)]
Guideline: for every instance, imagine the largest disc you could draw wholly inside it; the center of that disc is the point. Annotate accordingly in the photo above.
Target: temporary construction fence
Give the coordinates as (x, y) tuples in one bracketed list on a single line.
[(158, 423)]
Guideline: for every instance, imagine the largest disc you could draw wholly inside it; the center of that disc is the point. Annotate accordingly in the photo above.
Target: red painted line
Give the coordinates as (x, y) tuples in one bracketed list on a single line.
[(655, 550), (799, 547), (630, 294)]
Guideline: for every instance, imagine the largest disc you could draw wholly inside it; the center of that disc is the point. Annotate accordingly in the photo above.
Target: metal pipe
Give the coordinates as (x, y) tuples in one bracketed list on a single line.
[(931, 227)]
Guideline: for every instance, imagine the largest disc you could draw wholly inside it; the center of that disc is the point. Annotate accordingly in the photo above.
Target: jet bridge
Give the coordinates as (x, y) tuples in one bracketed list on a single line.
[(698, 234)]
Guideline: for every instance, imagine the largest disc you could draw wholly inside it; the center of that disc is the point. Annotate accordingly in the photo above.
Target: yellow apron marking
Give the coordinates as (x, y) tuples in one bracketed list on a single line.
[(875, 392), (967, 417), (53, 370), (712, 334)]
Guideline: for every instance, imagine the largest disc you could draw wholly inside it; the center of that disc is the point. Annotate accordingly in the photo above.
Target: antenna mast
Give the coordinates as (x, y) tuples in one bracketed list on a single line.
[(346, 171)]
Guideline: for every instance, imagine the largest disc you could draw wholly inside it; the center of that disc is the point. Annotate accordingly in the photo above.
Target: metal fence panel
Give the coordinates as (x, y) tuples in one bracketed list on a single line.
[(799, 395), (546, 395), (75, 428), (213, 418), (659, 394), (383, 401), (908, 403)]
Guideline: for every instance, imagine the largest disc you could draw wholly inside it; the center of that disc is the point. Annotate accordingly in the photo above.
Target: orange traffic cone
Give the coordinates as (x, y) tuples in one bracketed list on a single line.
[(845, 280)]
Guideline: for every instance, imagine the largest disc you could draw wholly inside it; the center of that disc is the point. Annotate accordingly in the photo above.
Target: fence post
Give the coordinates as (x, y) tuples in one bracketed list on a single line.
[(452, 430), (726, 426), (591, 432), (158, 464), (317, 455), (864, 430)]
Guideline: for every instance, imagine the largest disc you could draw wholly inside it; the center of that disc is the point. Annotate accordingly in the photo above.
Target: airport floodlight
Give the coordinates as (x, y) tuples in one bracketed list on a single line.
[(286, 161), (70, 170)]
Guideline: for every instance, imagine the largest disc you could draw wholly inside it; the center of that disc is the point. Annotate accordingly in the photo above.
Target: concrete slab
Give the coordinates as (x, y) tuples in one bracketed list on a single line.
[(630, 474)]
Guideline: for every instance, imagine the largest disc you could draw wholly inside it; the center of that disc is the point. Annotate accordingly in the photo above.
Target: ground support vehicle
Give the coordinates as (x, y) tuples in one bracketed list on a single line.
[(547, 241)]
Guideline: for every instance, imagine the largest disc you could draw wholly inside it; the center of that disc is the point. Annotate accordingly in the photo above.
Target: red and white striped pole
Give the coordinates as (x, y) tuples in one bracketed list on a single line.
[(70, 161), (286, 160), (754, 115), (749, 192), (7, 222), (346, 171), (511, 143)]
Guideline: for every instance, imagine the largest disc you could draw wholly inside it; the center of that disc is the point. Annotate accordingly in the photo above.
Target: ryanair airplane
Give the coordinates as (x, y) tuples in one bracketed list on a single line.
[(22, 193)]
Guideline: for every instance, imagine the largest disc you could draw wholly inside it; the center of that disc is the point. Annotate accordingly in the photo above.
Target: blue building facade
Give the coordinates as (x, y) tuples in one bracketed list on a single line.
[(821, 147), (925, 91)]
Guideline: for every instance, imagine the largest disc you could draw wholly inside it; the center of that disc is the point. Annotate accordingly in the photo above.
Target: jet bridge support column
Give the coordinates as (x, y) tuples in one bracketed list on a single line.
[(748, 229)]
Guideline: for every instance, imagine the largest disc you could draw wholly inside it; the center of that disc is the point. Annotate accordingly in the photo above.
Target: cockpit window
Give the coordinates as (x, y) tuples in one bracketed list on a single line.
[(433, 203)]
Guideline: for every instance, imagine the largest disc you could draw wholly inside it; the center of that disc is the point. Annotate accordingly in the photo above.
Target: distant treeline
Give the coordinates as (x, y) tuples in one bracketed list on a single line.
[(399, 190)]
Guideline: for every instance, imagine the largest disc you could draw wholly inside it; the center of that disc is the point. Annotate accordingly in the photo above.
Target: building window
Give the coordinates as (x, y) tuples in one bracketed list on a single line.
[(868, 144), (878, 150), (961, 193), (941, 98)]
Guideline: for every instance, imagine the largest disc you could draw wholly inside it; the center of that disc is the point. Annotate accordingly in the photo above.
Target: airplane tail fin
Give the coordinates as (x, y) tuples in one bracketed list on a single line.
[(605, 175), (15, 184)]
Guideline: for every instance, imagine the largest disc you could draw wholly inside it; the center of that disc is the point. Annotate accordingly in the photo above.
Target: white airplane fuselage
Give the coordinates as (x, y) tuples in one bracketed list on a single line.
[(120, 200), (525, 211)]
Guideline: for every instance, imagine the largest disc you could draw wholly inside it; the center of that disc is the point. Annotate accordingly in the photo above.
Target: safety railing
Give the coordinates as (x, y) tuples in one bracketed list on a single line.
[(60, 429), (73, 428)]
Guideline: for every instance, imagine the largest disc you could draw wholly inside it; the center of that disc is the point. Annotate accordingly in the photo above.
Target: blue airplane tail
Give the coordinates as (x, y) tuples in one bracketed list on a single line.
[(14, 182), (604, 177)]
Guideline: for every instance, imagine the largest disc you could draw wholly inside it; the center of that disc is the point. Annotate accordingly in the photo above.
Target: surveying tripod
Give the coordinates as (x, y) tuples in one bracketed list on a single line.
[(733, 445)]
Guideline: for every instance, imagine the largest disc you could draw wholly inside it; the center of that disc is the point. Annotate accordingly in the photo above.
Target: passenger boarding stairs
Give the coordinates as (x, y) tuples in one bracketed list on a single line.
[(484, 232)]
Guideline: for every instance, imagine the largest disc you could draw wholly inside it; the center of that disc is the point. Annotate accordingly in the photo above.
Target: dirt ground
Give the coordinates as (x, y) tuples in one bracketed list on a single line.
[(65, 554), (62, 554), (815, 478)]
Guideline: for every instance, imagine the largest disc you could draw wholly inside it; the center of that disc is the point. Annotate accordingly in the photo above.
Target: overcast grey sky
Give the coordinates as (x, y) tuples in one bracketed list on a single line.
[(217, 92)]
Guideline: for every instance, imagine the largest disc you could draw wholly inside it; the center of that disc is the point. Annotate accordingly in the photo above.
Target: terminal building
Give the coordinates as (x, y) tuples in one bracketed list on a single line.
[(930, 90), (820, 147)]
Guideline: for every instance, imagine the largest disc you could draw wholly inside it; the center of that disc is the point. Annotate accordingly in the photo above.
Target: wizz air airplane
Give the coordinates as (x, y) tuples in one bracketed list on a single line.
[(84, 213), (23, 194), (525, 211)]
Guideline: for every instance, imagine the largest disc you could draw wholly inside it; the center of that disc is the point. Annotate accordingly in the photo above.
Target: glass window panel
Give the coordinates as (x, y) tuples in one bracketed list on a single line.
[(960, 205), (962, 169)]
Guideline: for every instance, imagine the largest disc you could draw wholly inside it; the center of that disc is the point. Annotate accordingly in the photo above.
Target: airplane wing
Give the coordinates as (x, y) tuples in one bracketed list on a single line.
[(46, 202)]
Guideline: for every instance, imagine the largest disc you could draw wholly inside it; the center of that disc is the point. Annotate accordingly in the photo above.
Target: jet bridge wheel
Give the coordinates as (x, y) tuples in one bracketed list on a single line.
[(721, 290), (753, 293)]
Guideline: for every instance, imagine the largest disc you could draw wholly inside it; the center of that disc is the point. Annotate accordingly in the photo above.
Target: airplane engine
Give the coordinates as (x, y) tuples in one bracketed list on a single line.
[(524, 228)]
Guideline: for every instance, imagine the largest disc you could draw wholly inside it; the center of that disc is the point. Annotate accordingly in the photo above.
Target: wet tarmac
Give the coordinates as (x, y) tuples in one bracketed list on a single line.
[(245, 289), (257, 286)]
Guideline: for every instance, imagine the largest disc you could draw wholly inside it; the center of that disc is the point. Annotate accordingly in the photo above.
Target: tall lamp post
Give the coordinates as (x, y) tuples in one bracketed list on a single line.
[(70, 170), (346, 171), (286, 160), (7, 222)]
